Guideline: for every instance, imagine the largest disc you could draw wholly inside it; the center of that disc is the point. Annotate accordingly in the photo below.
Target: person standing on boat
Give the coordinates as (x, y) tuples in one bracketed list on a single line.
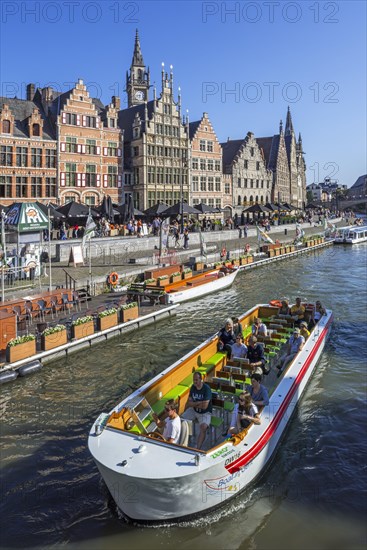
[(171, 423), (295, 345), (244, 412), (226, 337), (258, 328), (298, 312), (258, 392), (255, 354), (239, 349), (199, 406)]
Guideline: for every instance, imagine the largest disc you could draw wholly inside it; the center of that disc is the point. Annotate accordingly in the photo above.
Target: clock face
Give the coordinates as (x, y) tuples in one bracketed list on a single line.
[(139, 95)]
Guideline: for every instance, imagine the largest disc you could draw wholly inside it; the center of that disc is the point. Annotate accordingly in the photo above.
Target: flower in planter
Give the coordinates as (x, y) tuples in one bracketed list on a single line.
[(149, 281), (21, 340), (53, 330), (162, 277), (107, 312), (187, 270), (175, 274), (129, 306), (82, 320)]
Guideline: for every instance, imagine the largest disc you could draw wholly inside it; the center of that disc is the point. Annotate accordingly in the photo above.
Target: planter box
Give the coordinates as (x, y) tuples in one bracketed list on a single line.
[(129, 314), (21, 351), (163, 282), (235, 262), (187, 275), (176, 278), (250, 259), (81, 331), (271, 253), (293, 248), (199, 266), (109, 321), (54, 340), (277, 251)]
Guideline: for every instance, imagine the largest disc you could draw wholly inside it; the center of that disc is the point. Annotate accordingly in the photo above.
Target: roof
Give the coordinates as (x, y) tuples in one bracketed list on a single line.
[(230, 148), (126, 117), (270, 147), (22, 110), (193, 126), (361, 182)]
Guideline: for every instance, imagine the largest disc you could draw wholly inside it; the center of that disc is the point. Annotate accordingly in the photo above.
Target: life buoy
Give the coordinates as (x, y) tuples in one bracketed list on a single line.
[(247, 248), (275, 303), (113, 278)]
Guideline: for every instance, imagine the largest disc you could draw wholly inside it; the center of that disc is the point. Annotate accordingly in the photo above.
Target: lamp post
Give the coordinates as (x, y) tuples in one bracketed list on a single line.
[(49, 247)]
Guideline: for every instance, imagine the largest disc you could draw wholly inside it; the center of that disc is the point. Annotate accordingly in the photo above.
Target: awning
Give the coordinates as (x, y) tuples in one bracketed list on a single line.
[(25, 217)]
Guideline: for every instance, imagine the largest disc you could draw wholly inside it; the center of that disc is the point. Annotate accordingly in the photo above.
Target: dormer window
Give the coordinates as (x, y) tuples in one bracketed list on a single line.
[(36, 130), (6, 126), (112, 123)]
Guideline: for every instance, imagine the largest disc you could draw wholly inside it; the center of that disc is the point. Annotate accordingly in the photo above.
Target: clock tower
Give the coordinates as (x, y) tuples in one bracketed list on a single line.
[(138, 81)]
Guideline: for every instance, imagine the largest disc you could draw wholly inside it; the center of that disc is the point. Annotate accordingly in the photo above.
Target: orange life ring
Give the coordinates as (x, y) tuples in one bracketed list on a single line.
[(247, 248), (113, 278), (275, 303)]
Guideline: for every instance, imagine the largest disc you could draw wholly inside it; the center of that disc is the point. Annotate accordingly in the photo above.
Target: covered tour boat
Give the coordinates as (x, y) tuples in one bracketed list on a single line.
[(352, 234), (153, 480), (200, 285)]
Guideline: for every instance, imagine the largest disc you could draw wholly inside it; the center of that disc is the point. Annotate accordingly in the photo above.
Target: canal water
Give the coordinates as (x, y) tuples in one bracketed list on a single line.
[(312, 496)]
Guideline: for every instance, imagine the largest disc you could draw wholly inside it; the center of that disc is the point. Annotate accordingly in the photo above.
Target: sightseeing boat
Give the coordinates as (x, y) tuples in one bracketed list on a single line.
[(199, 285), (352, 234), (152, 480)]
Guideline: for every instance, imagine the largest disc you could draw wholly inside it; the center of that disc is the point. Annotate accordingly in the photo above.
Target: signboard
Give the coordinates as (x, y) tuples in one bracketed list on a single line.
[(76, 255), (26, 217)]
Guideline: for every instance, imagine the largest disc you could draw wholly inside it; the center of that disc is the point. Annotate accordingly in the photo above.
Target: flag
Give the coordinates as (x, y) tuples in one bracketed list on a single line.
[(262, 236), (163, 235), (299, 234), (331, 226), (90, 226), (202, 245)]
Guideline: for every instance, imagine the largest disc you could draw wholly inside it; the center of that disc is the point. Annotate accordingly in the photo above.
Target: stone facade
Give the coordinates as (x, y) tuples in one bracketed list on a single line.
[(206, 164), (243, 160)]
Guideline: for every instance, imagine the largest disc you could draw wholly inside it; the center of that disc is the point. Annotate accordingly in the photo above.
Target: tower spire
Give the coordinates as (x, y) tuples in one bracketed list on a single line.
[(137, 55), (289, 124), (138, 81)]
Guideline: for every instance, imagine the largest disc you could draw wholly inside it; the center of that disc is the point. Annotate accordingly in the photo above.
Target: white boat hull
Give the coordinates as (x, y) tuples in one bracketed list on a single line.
[(162, 483), (191, 293)]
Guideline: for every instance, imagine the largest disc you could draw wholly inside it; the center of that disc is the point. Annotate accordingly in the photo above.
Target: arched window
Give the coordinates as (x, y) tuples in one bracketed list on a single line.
[(239, 200), (6, 126), (245, 200), (261, 199), (257, 198), (140, 74), (36, 130), (267, 198), (251, 198)]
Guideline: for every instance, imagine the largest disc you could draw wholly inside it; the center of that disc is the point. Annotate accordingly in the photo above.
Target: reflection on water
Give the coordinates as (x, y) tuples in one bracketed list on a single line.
[(313, 495)]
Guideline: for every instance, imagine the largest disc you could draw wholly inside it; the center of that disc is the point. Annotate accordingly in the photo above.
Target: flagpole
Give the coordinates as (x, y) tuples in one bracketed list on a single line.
[(90, 260), (49, 247)]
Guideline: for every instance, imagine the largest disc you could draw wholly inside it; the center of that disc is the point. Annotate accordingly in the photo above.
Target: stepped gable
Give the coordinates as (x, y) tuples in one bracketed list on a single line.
[(22, 109)]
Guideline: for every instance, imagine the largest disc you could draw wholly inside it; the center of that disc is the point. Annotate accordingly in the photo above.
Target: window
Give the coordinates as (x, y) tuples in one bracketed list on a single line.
[(136, 151), (112, 176), (245, 164), (218, 203), (36, 157), (257, 184), (112, 149), (6, 155), (90, 147), (202, 164), (70, 145), (257, 165), (239, 200), (217, 185), (36, 131), (167, 109), (262, 184), (210, 165), (239, 182), (251, 184), (195, 183), (91, 175), (5, 187), (6, 126), (210, 184), (252, 151), (227, 188), (209, 146), (70, 175), (151, 174), (90, 121), (36, 187), (112, 123), (245, 183), (202, 145), (203, 183), (195, 164), (90, 200), (167, 151), (50, 187), (167, 130), (211, 202), (151, 150), (217, 166), (21, 187), (50, 158)]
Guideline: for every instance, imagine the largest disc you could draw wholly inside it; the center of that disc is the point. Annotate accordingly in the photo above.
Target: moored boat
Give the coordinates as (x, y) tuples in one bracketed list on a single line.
[(200, 285), (352, 234), (153, 480)]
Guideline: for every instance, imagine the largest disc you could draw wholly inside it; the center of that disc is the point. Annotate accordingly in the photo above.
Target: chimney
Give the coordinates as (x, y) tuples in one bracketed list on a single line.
[(30, 92), (116, 102)]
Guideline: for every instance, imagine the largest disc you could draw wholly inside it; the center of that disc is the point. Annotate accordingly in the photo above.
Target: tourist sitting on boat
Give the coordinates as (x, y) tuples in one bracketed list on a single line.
[(237, 327), (317, 313), (258, 328), (255, 354), (304, 330), (284, 309), (295, 344), (239, 348), (244, 412), (199, 406), (298, 312), (258, 391), (170, 422), (226, 337)]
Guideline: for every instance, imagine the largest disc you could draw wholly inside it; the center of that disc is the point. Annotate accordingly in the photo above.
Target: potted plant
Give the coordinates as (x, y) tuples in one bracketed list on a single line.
[(107, 319), (187, 273), (53, 337), (129, 312), (163, 280), (82, 327), (20, 348), (175, 277)]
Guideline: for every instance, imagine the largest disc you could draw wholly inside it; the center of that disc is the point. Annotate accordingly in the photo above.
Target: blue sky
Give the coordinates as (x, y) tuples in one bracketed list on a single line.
[(241, 62)]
